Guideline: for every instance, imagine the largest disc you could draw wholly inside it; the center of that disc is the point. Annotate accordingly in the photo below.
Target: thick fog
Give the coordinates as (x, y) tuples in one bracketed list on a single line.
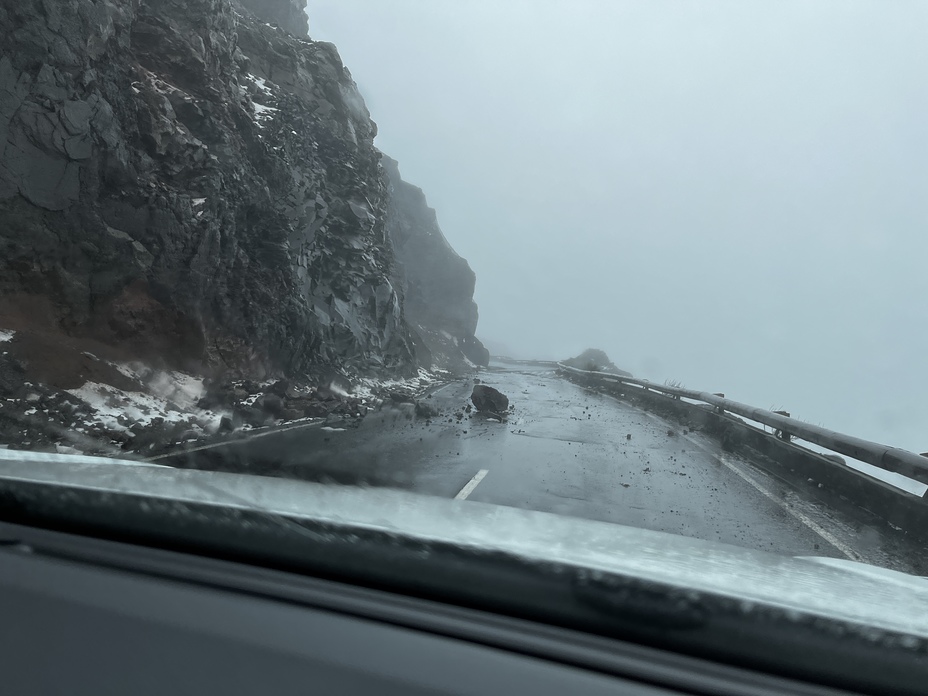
[(733, 195)]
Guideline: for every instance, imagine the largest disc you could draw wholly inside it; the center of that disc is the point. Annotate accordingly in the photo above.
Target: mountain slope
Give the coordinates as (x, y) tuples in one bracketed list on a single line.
[(188, 182)]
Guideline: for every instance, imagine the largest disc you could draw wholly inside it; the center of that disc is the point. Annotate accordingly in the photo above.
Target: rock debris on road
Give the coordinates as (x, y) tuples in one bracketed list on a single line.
[(563, 450)]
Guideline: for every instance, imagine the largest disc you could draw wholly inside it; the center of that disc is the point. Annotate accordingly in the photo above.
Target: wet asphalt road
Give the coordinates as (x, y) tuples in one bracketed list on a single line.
[(564, 450)]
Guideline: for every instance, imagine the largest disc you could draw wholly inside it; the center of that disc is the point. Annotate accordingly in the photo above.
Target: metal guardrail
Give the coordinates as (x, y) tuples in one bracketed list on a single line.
[(520, 361), (892, 459)]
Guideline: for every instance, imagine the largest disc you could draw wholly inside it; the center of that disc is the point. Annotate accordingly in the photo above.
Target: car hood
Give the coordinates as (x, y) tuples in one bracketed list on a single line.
[(832, 588)]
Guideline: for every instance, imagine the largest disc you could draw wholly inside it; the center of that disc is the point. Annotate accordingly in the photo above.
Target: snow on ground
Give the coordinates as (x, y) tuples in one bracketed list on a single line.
[(176, 387), (183, 390), (262, 388), (263, 113), (370, 388), (6, 335), (112, 406), (172, 397), (260, 83)]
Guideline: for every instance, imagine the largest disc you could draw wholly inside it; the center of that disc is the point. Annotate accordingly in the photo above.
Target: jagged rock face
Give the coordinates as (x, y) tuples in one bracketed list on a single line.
[(438, 284), (182, 179), (289, 15)]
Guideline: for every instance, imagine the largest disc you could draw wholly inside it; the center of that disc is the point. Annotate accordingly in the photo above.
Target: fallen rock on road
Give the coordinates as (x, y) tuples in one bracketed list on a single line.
[(426, 410), (489, 400)]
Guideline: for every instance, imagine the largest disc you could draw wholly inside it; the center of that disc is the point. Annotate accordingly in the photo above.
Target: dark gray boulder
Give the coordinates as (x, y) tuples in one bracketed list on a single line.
[(488, 399), (271, 404), (426, 410)]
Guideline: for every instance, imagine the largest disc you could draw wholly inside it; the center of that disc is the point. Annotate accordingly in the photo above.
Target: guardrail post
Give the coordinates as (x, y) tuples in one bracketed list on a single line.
[(782, 434), (719, 409)]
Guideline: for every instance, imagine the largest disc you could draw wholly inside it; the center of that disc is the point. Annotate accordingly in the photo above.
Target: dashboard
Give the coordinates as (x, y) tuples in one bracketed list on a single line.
[(91, 616)]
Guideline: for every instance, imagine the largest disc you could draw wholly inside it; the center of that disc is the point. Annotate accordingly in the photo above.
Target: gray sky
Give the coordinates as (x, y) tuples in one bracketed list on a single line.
[(729, 194)]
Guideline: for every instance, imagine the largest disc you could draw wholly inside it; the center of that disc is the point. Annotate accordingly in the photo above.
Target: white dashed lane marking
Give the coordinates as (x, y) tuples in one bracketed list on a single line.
[(239, 441), (471, 485)]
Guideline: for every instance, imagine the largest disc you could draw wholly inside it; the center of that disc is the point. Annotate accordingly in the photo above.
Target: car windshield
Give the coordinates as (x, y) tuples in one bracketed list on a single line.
[(252, 237)]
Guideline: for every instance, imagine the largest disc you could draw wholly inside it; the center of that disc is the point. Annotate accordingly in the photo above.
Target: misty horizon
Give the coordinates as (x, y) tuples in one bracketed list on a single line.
[(726, 195)]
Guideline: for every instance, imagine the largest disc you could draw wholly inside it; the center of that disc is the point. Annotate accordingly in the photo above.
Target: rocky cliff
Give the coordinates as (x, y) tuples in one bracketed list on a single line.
[(289, 15), (195, 182), (438, 284)]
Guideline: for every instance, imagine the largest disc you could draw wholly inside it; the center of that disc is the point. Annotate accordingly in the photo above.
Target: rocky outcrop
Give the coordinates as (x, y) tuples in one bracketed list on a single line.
[(438, 284), (289, 15), (595, 360), (191, 181)]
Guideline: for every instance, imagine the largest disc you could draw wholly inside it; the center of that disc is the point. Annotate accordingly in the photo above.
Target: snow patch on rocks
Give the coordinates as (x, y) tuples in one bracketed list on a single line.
[(171, 386), (412, 386), (263, 113), (260, 83), (116, 409)]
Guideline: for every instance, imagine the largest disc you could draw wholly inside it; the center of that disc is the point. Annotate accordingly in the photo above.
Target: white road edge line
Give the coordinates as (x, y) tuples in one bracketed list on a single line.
[(471, 485), (264, 433), (801, 517), (795, 514)]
